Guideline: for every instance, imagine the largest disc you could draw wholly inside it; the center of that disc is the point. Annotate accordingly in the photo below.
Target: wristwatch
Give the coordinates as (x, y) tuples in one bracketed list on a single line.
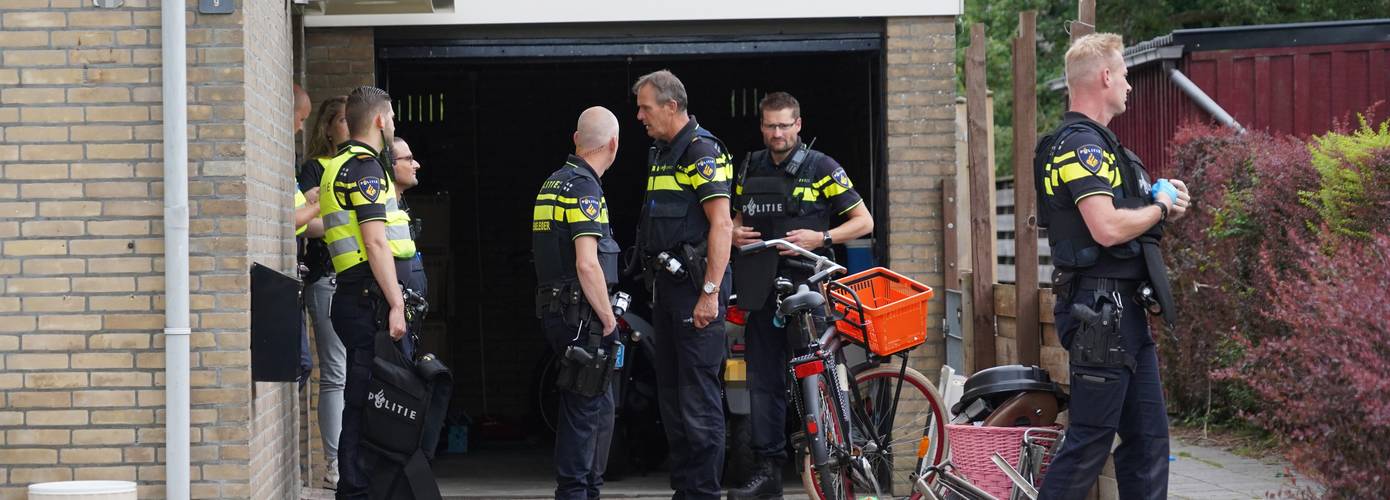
[(710, 288), (827, 241), (1163, 211)]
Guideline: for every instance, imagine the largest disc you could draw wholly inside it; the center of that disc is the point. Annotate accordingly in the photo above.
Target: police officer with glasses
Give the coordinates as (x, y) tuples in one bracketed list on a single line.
[(793, 192)]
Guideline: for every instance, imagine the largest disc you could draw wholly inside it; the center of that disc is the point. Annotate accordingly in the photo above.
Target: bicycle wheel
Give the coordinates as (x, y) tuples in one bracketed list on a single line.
[(830, 480), (899, 436)]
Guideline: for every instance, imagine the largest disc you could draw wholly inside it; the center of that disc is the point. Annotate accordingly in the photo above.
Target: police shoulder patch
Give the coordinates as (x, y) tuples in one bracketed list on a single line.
[(1091, 156), (706, 167), (840, 178), (591, 207), (370, 187)]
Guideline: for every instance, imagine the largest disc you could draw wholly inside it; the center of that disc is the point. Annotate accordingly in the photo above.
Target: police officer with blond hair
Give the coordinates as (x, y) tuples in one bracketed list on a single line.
[(1104, 218)]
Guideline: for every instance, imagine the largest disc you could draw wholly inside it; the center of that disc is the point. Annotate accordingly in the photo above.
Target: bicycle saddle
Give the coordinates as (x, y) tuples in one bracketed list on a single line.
[(802, 300)]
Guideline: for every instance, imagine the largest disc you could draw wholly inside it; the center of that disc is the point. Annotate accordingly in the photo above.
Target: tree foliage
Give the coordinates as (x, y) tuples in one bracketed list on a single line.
[(1136, 21)]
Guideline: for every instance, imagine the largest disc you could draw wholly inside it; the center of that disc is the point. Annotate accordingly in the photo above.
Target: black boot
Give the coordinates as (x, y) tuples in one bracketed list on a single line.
[(765, 484)]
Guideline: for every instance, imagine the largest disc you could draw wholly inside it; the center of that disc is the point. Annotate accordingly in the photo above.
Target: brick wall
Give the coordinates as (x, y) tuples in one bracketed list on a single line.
[(270, 141), (920, 94), (81, 376), (339, 60)]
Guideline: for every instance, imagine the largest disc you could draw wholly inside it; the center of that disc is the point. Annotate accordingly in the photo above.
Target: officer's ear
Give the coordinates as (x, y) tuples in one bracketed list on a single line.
[(613, 145)]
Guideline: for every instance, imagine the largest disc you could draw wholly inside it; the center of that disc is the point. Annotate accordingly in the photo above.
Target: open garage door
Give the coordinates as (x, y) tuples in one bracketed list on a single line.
[(489, 119)]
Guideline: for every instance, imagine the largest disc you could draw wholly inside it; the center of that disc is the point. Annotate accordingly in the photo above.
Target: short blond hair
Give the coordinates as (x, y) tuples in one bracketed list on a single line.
[(1090, 54)]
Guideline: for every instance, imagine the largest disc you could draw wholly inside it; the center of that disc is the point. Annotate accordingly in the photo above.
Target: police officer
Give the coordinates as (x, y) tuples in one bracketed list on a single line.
[(406, 168), (684, 239), (792, 192), (576, 257), (1104, 218), (368, 239)]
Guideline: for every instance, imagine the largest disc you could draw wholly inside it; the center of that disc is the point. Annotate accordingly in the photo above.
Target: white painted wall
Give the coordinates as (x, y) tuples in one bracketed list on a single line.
[(570, 11)]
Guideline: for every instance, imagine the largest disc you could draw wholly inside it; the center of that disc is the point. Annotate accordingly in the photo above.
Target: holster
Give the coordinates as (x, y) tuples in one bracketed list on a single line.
[(586, 372), (1098, 342), (693, 257)]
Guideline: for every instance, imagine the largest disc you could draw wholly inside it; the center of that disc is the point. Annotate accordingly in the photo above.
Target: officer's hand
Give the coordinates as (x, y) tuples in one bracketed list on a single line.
[(610, 323), (312, 196), (744, 235), (395, 321), (1184, 200), (706, 309), (804, 238)]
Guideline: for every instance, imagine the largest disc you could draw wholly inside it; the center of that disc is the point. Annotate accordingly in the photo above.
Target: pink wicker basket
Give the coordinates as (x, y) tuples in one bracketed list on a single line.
[(971, 447)]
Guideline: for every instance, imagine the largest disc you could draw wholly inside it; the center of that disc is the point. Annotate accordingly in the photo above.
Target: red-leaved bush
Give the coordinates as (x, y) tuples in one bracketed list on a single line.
[(1245, 193), (1282, 279), (1325, 383)]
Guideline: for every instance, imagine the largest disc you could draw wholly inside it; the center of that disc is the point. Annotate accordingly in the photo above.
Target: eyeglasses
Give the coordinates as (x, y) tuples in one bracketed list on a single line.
[(779, 126), (407, 159)]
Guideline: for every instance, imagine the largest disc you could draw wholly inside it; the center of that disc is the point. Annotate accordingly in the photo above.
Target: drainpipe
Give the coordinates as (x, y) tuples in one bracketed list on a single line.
[(1204, 101), (176, 330)]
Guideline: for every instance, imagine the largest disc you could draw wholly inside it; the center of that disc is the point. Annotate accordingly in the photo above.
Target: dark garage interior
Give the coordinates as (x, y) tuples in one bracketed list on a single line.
[(489, 121)]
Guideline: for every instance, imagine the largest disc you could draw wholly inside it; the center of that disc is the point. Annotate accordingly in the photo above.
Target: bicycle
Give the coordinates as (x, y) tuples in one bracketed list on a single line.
[(859, 428)]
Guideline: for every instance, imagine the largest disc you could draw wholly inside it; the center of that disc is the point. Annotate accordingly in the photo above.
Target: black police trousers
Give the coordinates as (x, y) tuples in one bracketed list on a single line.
[(688, 361), (353, 314), (769, 348), (1110, 401), (585, 427)]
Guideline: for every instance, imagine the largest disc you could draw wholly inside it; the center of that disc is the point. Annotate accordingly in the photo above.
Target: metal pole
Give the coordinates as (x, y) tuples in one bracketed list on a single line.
[(1204, 101), (176, 325)]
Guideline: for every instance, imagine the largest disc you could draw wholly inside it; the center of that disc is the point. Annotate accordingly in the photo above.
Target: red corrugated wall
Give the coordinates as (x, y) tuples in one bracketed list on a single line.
[(1284, 90)]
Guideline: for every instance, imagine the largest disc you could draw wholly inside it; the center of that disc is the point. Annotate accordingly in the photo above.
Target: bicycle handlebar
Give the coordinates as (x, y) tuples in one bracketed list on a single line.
[(824, 267)]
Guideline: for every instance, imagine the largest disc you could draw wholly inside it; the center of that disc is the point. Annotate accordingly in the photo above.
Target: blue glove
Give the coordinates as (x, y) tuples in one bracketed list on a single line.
[(1165, 187)]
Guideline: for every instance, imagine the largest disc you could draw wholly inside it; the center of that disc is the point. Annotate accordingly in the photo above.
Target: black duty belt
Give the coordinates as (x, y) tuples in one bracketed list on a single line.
[(1108, 284)]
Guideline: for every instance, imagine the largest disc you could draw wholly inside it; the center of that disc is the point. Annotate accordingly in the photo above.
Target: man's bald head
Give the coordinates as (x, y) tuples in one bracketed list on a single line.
[(596, 137), (302, 106), (596, 126)]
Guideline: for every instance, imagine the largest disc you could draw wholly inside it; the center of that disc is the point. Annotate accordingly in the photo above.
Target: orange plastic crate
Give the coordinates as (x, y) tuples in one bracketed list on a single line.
[(895, 310)]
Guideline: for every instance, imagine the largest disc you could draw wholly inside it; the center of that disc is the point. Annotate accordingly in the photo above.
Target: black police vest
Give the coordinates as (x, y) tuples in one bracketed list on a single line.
[(674, 217), (767, 200), (769, 207), (553, 250), (1070, 240)]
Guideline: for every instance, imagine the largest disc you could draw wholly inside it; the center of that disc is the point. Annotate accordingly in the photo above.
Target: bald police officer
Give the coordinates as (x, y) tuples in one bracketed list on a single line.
[(576, 256)]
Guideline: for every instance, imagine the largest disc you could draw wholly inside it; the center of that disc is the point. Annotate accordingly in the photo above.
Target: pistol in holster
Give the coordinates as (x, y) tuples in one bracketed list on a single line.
[(1098, 341), (695, 264), (584, 369)]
